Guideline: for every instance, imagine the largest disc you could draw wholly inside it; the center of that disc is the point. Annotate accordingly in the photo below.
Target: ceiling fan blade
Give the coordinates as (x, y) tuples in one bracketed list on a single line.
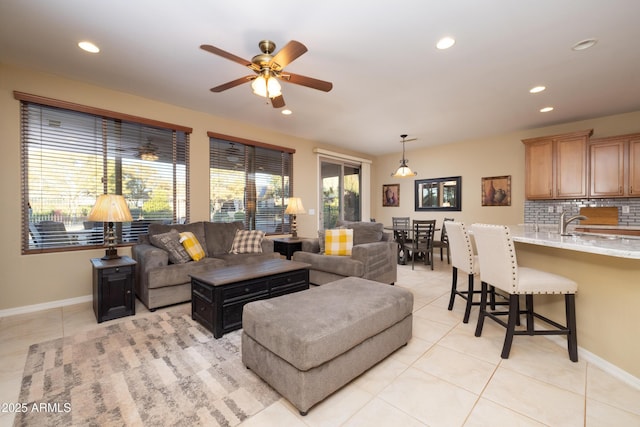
[(227, 55), (307, 81), (287, 54), (277, 102), (232, 83)]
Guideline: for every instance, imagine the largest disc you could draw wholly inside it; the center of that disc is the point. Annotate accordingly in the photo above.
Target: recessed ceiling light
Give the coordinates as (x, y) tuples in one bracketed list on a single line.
[(89, 47), (537, 89), (445, 43), (584, 44), (287, 112), (546, 109)]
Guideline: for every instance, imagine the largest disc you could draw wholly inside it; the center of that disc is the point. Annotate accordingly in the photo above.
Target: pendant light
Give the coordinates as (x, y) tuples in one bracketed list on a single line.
[(403, 170)]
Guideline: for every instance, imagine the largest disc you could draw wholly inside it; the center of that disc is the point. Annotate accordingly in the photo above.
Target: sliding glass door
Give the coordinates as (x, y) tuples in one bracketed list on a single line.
[(340, 192)]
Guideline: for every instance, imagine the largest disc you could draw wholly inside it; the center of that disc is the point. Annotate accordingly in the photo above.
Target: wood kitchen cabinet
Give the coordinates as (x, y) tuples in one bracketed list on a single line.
[(556, 166), (615, 166)]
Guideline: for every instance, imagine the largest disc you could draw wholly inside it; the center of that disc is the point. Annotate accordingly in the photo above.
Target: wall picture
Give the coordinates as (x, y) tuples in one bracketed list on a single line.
[(391, 195), (496, 191)]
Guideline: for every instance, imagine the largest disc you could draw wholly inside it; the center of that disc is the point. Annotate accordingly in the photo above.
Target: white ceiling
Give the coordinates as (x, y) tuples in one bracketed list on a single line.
[(380, 55)]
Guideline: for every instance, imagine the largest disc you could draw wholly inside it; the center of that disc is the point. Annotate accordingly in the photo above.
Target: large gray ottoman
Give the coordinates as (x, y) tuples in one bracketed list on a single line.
[(309, 344)]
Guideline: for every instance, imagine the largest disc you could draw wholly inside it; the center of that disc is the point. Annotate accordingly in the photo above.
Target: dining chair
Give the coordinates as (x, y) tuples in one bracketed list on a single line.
[(422, 241), (443, 243), (401, 228), (499, 268)]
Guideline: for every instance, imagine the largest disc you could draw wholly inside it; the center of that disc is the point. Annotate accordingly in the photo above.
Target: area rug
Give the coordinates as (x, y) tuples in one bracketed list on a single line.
[(160, 369)]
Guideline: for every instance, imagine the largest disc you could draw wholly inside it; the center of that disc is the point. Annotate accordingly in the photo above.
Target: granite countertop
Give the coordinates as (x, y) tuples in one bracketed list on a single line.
[(602, 244)]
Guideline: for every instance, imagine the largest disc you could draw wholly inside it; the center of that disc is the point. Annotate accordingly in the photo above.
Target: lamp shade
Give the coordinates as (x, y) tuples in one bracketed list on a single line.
[(110, 208), (295, 206), (403, 171)]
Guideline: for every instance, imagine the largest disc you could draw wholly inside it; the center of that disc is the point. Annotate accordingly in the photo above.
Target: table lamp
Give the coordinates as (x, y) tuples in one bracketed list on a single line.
[(110, 208), (294, 208)]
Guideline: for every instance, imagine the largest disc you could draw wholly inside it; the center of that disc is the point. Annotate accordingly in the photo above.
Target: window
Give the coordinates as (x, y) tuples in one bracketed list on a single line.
[(340, 194), (73, 153), (250, 182)]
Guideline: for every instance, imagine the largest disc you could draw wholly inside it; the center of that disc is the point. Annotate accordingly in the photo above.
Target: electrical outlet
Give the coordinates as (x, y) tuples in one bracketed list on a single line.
[(312, 211), (550, 209), (625, 209)]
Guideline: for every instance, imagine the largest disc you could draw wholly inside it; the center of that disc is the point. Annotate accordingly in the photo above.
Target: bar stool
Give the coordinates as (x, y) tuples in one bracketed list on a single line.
[(499, 267), (463, 259)]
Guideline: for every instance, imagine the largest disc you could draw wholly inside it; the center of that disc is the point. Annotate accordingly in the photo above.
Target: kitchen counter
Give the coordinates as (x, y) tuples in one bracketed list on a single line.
[(621, 246), (607, 270)]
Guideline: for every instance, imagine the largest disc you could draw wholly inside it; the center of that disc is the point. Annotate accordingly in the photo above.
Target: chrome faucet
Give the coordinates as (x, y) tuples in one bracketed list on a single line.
[(562, 224)]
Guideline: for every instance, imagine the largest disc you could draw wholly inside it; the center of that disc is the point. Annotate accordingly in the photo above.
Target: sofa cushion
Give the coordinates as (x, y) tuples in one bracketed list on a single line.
[(192, 245), (220, 235), (178, 274), (170, 242), (240, 259), (197, 228), (338, 242), (364, 232), (247, 242)]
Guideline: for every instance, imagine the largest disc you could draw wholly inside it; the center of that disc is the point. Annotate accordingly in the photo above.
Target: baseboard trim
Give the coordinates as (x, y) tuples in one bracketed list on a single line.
[(45, 306), (601, 363)]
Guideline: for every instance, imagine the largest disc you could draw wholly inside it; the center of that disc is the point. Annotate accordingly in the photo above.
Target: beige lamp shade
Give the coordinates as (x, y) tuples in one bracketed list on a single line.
[(110, 208), (295, 206)]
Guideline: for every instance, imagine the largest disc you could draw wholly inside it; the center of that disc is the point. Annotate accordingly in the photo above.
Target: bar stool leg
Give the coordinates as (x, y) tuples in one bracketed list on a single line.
[(483, 309), (511, 325), (572, 338), (454, 287), (467, 310)]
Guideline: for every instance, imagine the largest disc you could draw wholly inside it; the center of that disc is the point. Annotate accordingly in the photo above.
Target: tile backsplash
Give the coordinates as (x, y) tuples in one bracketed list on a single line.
[(537, 211)]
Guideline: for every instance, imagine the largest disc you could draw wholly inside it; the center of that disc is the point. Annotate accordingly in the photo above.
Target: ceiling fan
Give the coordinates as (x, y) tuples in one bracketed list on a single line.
[(269, 69)]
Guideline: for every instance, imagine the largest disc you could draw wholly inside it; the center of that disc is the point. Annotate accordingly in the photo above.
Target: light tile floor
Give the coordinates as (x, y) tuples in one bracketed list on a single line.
[(445, 376)]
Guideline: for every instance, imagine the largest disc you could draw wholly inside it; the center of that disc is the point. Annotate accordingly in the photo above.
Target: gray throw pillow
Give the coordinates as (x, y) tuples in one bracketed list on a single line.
[(170, 242)]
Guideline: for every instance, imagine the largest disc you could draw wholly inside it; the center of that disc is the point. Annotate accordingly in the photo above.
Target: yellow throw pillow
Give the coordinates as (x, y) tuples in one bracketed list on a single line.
[(191, 245), (338, 242)]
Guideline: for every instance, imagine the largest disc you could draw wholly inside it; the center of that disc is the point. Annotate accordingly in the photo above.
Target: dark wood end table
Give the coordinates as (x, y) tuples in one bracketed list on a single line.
[(113, 288), (287, 245)]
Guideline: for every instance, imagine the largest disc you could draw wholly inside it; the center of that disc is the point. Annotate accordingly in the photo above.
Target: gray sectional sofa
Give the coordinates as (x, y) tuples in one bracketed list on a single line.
[(160, 282), (373, 256)]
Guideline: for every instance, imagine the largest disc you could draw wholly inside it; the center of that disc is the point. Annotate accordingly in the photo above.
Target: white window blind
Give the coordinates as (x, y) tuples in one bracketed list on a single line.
[(72, 155), (250, 182)]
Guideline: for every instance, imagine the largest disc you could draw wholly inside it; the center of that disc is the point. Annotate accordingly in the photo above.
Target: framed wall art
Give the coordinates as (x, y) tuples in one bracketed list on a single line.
[(496, 191), (391, 195)]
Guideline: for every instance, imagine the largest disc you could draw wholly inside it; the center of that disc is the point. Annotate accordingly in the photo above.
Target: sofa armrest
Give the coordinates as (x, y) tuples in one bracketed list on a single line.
[(311, 245), (340, 265), (379, 259), (148, 257), (267, 245)]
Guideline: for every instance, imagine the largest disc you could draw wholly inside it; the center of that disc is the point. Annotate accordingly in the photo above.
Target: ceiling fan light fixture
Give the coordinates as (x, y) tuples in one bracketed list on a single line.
[(266, 85)]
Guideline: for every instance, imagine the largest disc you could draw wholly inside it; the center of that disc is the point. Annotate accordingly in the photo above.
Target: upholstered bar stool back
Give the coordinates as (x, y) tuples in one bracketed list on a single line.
[(463, 259), (499, 267)]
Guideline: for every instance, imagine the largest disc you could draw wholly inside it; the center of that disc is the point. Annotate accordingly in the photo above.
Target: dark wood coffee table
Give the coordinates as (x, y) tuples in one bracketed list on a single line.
[(217, 297)]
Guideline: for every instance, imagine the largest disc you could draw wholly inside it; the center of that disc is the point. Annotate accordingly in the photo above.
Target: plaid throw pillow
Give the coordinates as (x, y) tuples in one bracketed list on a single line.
[(338, 242), (191, 245), (247, 242)]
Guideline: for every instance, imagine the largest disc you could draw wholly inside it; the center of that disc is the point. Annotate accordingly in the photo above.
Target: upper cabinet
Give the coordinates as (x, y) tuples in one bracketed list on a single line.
[(556, 166), (615, 166)]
